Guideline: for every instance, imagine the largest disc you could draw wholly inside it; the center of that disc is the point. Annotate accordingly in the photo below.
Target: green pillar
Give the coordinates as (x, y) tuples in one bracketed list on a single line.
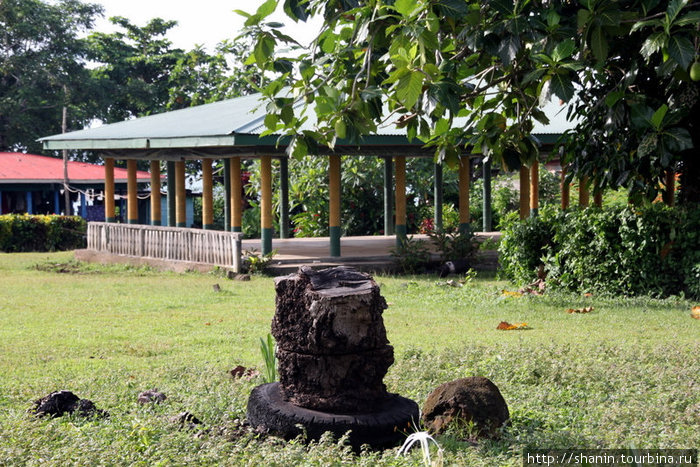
[(437, 197), (284, 197), (487, 195), (388, 197), (227, 194), (171, 194), (400, 167), (334, 203)]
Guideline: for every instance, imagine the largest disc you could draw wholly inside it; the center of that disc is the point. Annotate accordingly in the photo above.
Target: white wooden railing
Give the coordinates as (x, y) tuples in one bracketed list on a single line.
[(169, 243)]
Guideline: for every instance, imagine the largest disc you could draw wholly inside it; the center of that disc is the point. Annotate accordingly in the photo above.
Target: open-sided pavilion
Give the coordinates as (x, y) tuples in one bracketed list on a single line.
[(230, 130)]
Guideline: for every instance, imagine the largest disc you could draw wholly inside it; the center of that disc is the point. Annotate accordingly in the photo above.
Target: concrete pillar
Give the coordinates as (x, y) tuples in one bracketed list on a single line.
[(565, 189), (334, 190), (155, 194), (534, 187), (284, 197), (464, 182), (227, 195), (30, 202), (207, 195), (266, 204), (83, 206), (56, 202), (388, 196), (486, 207), (524, 208), (400, 174), (437, 196), (236, 196), (670, 191), (172, 198), (110, 213), (180, 195), (583, 194), (132, 210)]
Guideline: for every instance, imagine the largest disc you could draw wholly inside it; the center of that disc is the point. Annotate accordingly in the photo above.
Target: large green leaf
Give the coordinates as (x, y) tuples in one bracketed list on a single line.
[(599, 44), (563, 50), (405, 7), (681, 50), (675, 7), (409, 88), (658, 117), (453, 8), (653, 44), (562, 87), (678, 139), (508, 48)]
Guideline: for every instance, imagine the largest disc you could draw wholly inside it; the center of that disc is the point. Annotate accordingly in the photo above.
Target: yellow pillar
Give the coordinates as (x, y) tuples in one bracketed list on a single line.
[(670, 182), (132, 210), (524, 192), (155, 193), (266, 204), (207, 195), (464, 182), (583, 194), (534, 187), (110, 215), (565, 189), (180, 195), (334, 203), (400, 174), (598, 198), (236, 195)]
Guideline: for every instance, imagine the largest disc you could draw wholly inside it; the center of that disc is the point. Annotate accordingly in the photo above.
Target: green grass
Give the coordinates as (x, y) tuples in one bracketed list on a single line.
[(624, 375)]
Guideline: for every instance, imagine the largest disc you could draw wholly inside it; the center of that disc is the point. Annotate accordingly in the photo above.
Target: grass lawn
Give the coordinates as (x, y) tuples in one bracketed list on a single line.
[(626, 374)]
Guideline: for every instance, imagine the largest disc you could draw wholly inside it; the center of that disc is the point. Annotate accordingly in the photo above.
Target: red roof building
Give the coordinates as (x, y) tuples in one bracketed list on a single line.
[(34, 184)]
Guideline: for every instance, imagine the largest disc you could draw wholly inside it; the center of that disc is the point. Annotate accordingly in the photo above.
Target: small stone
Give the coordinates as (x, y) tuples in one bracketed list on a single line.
[(237, 277), (216, 288), (475, 399), (243, 372), (152, 395), (186, 420)]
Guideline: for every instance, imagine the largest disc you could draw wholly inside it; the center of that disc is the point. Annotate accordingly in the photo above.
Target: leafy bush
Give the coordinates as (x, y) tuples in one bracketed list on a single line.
[(24, 232), (653, 250)]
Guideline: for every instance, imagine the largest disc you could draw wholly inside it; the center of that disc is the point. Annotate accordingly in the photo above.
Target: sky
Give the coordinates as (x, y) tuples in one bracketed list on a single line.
[(204, 22)]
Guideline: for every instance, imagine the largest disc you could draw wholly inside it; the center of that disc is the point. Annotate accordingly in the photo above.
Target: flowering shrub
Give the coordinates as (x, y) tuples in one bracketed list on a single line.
[(24, 232)]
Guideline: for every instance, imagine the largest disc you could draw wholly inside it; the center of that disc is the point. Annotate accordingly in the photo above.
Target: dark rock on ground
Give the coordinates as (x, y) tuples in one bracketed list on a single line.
[(186, 420), (237, 277), (475, 399), (243, 372), (152, 395), (60, 403)]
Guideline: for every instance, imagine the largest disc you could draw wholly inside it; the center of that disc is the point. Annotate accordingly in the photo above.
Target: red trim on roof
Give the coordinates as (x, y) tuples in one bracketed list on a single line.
[(17, 167)]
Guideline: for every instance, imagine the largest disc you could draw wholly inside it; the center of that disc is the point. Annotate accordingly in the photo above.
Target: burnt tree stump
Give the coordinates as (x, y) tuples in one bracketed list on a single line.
[(332, 354)]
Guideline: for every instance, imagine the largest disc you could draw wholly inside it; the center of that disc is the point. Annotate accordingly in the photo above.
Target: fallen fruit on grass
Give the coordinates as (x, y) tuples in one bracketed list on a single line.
[(695, 312), (586, 309), (508, 293), (506, 326)]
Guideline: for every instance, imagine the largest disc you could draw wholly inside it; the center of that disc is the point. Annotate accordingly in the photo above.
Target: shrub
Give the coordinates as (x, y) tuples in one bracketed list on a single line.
[(653, 250), (23, 232)]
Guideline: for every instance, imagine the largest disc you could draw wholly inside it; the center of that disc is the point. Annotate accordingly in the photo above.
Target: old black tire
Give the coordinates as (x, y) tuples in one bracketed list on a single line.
[(383, 428)]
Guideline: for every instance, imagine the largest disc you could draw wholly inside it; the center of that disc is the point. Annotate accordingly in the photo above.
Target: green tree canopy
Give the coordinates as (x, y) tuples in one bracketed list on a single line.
[(472, 76), (42, 69)]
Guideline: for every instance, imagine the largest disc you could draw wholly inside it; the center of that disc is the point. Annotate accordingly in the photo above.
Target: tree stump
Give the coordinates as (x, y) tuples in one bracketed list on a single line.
[(332, 354)]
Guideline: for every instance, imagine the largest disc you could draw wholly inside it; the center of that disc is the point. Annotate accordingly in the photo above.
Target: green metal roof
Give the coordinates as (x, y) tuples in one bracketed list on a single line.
[(233, 127)]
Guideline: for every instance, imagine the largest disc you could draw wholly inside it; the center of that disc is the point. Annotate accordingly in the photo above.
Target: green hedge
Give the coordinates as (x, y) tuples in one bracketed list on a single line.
[(654, 250), (23, 232)]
